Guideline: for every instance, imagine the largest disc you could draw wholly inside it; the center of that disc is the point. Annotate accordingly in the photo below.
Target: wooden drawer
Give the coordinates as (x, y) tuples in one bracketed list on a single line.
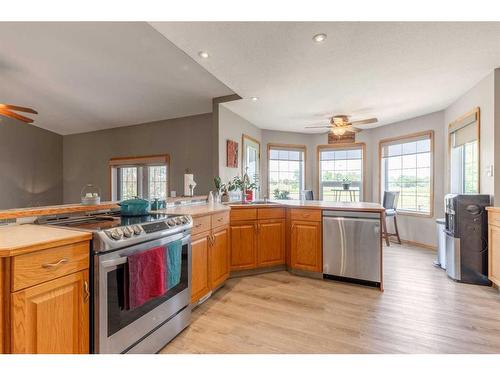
[(494, 218), (219, 219), (243, 214), (38, 267), (271, 213), (201, 224), (305, 214)]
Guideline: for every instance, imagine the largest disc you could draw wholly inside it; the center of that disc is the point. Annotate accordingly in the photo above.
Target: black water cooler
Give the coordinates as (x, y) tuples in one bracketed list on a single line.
[(467, 237)]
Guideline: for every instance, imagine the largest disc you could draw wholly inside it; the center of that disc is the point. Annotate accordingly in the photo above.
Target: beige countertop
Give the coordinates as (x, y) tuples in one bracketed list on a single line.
[(321, 205), (493, 209), (19, 239), (15, 213), (194, 210)]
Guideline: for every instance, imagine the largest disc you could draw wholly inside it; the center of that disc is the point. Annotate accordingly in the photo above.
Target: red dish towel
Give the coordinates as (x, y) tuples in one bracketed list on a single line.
[(146, 277)]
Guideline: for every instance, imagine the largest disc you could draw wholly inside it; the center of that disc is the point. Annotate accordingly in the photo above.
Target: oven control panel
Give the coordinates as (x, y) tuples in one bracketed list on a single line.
[(131, 231)]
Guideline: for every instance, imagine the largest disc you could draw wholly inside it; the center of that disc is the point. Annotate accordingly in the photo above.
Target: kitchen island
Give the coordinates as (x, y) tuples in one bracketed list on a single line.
[(288, 234), (228, 240)]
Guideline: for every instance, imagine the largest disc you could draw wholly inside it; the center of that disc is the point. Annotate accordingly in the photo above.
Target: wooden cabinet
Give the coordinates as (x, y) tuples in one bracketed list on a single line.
[(257, 237), (52, 317), (219, 257), (306, 250), (243, 245), (494, 247), (199, 267), (270, 242), (209, 254)]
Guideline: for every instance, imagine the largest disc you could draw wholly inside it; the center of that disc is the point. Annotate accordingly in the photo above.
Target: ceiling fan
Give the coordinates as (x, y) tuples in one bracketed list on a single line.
[(8, 110), (340, 124)]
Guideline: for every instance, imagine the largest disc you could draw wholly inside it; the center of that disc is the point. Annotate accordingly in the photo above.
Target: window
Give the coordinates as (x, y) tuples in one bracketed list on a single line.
[(341, 172), (144, 177), (286, 169), (406, 166), (251, 159), (128, 182), (464, 154)]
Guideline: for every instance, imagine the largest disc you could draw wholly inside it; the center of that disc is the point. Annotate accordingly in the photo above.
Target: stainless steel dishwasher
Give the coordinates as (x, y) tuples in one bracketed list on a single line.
[(351, 247)]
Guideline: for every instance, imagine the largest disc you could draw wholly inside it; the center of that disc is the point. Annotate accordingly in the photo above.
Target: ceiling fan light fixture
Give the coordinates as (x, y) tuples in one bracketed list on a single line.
[(338, 131)]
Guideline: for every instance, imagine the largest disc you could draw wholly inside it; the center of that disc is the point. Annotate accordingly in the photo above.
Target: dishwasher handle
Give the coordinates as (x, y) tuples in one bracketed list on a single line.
[(352, 214)]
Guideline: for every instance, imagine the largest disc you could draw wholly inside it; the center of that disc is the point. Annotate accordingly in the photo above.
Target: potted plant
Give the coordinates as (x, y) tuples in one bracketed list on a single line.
[(244, 185), (281, 194), (346, 183)]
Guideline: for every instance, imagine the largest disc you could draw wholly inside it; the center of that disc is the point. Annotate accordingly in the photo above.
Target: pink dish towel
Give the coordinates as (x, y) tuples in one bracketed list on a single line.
[(146, 277)]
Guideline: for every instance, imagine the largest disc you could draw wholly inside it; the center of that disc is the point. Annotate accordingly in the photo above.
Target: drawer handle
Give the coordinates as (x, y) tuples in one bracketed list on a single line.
[(219, 219), (86, 291), (198, 225), (53, 265)]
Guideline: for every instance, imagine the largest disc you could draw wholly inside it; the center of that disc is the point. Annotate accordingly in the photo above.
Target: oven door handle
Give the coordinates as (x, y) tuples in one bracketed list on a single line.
[(114, 262)]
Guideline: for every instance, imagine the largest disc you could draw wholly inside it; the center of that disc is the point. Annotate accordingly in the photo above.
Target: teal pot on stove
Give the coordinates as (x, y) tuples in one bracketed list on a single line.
[(134, 207)]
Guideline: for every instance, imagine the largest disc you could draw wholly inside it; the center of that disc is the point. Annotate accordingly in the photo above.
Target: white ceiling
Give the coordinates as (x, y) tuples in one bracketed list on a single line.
[(84, 76), (393, 71)]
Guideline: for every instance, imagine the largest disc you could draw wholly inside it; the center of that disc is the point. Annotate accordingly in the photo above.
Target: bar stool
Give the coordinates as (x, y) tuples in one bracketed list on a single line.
[(390, 203), (308, 195)]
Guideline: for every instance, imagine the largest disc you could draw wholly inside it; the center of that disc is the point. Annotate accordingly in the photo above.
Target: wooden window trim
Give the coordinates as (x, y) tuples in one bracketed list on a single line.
[(146, 160), (243, 137), (286, 146), (430, 134), (477, 112), (342, 146)]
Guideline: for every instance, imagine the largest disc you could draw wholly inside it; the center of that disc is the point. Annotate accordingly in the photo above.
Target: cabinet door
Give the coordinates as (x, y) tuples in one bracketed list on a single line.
[(243, 245), (271, 242), (306, 252), (219, 257), (494, 254), (52, 317), (199, 267)]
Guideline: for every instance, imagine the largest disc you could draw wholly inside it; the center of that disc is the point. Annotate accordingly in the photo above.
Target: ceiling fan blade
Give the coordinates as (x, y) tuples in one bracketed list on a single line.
[(13, 115), (17, 108), (352, 129), (362, 122), (318, 127)]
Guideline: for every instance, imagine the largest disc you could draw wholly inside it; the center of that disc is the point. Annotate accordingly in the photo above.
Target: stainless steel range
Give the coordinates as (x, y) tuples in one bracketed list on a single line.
[(115, 328)]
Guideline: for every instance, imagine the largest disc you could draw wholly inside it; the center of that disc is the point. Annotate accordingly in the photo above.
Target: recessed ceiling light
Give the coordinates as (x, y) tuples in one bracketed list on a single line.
[(254, 98), (319, 38), (203, 54)]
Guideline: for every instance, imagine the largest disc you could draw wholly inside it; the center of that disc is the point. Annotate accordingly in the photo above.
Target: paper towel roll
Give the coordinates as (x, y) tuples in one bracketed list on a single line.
[(189, 180)]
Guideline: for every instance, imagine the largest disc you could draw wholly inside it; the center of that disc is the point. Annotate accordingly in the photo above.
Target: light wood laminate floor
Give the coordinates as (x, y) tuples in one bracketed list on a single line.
[(421, 311)]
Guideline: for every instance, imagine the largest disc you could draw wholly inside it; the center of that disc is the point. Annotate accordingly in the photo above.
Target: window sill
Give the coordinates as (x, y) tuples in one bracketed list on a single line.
[(415, 214)]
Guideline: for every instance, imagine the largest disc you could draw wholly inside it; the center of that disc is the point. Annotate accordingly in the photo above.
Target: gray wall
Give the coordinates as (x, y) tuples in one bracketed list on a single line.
[(232, 126), (30, 165), (188, 141), (482, 96)]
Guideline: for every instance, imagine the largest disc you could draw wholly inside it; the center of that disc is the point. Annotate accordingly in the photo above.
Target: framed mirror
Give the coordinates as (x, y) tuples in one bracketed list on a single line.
[(464, 150)]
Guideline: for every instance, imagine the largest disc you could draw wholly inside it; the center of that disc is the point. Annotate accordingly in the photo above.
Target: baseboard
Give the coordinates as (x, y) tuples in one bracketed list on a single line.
[(418, 244), (257, 271)]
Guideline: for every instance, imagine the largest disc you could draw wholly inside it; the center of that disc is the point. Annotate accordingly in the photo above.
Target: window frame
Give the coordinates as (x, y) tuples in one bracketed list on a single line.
[(286, 147), (477, 113), (340, 147), (243, 162), (139, 162), (403, 139)]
